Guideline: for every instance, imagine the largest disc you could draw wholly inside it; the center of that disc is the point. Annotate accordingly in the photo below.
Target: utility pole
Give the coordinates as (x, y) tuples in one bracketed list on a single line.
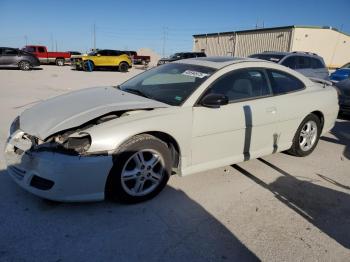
[(51, 37), (94, 36), (164, 38), (56, 46)]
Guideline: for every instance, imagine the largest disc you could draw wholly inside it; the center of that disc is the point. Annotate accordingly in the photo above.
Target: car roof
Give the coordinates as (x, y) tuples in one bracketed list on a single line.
[(8, 47), (218, 62), (288, 53)]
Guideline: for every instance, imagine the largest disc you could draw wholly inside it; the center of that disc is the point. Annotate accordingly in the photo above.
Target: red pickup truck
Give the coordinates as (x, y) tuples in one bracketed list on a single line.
[(138, 59), (45, 57)]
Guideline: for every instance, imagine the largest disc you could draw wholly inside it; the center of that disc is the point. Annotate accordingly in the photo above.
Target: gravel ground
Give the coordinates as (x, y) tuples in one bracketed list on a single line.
[(278, 208)]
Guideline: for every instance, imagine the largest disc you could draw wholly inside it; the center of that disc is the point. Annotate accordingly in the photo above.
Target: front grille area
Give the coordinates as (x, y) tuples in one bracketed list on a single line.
[(41, 183), (17, 172)]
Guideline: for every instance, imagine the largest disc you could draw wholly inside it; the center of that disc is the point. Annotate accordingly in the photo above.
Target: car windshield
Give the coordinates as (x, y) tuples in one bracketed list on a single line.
[(269, 57), (170, 83), (346, 66)]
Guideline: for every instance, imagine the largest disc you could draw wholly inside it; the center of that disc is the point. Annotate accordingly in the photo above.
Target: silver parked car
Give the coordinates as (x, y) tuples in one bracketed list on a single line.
[(183, 117), (15, 58), (308, 64)]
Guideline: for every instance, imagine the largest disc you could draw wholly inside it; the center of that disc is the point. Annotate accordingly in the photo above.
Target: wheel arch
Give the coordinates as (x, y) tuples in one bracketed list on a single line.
[(166, 138), (320, 116), (24, 60), (124, 61)]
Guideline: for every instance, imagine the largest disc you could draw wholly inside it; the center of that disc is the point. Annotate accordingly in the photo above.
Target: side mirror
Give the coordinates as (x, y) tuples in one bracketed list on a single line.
[(214, 100)]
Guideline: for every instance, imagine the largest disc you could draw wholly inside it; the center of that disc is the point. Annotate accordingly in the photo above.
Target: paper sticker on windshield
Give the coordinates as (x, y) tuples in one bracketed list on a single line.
[(194, 74)]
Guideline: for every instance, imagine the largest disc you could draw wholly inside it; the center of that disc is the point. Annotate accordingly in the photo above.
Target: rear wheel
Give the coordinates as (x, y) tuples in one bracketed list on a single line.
[(24, 65), (59, 62), (307, 136), (142, 169), (123, 67)]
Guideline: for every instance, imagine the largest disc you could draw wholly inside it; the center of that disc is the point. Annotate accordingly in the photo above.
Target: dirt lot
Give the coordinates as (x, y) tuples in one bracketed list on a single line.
[(276, 208)]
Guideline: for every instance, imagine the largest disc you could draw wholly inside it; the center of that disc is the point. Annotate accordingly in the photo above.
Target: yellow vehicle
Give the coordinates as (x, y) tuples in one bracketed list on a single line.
[(104, 58)]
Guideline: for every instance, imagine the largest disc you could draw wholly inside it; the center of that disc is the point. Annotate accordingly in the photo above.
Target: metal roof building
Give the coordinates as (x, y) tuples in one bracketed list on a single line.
[(328, 42)]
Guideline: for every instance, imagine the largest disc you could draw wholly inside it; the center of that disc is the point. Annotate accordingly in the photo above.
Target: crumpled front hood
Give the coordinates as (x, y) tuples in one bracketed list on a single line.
[(76, 108)]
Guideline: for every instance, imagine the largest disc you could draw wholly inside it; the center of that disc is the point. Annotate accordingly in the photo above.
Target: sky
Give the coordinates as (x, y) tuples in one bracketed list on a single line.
[(164, 26)]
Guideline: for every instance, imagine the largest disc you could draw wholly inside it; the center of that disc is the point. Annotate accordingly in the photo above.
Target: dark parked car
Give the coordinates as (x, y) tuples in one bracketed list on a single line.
[(341, 73), (344, 96), (13, 57), (308, 64), (74, 55), (179, 56), (138, 59)]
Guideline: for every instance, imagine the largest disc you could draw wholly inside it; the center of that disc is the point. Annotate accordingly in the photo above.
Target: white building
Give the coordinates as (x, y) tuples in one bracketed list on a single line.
[(328, 42)]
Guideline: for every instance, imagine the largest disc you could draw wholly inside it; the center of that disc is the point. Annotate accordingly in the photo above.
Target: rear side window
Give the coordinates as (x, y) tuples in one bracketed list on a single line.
[(304, 62), (242, 84), (290, 62), (8, 51), (283, 83), (41, 49), (316, 63)]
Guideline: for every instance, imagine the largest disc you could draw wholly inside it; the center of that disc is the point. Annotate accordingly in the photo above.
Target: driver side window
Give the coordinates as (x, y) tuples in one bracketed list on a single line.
[(242, 85)]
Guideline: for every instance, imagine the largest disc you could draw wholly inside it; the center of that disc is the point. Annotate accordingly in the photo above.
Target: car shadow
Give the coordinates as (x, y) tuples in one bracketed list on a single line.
[(171, 227), (341, 131), (17, 69), (101, 69), (326, 208)]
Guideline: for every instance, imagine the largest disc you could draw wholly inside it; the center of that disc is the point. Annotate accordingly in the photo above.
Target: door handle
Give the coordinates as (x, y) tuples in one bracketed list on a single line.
[(271, 110)]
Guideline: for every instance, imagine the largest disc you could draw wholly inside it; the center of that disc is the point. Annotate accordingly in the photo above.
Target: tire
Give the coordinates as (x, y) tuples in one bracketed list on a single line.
[(88, 66), (132, 180), (306, 138), (60, 62), (123, 67), (24, 65)]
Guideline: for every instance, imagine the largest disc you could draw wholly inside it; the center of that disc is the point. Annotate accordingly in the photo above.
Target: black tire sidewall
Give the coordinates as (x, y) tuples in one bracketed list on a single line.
[(114, 188), (58, 60), (85, 66), (296, 150), (20, 65), (123, 67)]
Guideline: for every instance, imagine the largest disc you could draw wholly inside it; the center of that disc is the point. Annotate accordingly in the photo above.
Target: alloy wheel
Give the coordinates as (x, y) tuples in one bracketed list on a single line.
[(308, 135), (142, 172)]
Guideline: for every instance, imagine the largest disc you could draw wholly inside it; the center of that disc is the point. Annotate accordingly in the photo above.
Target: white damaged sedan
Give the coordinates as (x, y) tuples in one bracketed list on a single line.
[(185, 117)]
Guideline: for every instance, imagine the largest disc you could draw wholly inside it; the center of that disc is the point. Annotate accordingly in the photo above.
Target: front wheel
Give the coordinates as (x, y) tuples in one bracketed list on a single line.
[(307, 136), (88, 66), (141, 170), (24, 65), (123, 67)]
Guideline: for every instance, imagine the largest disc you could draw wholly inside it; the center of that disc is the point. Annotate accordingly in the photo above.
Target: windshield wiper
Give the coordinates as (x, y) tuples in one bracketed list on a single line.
[(135, 92)]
